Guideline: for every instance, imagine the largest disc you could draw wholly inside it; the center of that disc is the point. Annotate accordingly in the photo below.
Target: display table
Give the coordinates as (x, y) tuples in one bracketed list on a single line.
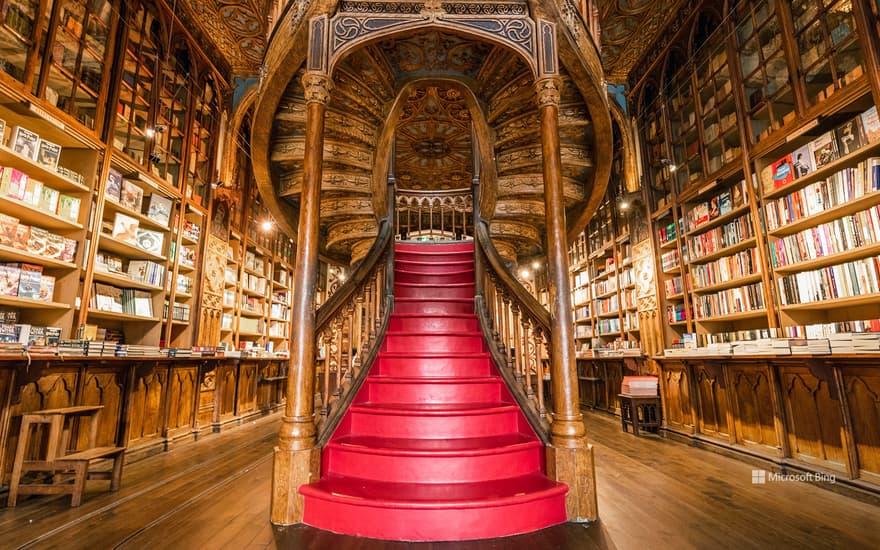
[(640, 411)]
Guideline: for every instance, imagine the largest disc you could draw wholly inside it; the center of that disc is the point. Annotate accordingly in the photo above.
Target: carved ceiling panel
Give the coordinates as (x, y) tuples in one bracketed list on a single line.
[(237, 29), (629, 30)]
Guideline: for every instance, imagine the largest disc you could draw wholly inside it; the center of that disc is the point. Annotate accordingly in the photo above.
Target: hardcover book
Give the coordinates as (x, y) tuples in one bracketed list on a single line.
[(132, 196), (125, 228), (143, 303), (114, 186), (151, 241), (159, 208), (10, 277), (802, 161), (850, 136), (871, 125), (725, 203), (48, 154), (68, 254), (29, 284), (8, 334), (32, 192), (782, 172), (13, 183), (54, 246), (68, 207), (824, 149), (49, 200), (47, 288), (8, 225), (24, 142), (38, 241), (53, 336), (22, 233), (108, 298)]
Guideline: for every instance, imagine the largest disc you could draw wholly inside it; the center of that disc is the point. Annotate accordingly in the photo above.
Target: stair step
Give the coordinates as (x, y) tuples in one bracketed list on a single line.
[(452, 420), (425, 266), (430, 291), (418, 322), (433, 342), (434, 460), (433, 511), (406, 276), (432, 364), (392, 389), (429, 248), (433, 306)]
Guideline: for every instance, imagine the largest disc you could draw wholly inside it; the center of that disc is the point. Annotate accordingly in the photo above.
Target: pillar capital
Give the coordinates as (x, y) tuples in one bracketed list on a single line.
[(549, 90), (317, 87)]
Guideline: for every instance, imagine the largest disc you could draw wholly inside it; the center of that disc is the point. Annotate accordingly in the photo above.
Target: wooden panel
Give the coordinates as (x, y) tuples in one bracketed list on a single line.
[(813, 418), (145, 414), (711, 401), (753, 402), (247, 387), (182, 388), (103, 387), (226, 389), (7, 376), (207, 397), (267, 392), (613, 379), (863, 393), (676, 397)]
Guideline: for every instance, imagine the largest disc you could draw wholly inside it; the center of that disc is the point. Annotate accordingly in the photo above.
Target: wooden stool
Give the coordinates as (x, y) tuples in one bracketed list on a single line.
[(64, 467), (642, 412)]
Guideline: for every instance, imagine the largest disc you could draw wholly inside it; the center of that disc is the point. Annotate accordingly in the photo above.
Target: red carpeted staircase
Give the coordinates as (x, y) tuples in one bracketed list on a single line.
[(433, 446)]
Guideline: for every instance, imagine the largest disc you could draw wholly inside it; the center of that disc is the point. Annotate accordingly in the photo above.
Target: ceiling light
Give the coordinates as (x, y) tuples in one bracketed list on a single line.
[(266, 225), (524, 273), (157, 129), (536, 265)]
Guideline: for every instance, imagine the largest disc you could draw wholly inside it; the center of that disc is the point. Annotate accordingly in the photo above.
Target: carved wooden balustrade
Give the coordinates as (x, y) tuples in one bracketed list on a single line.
[(349, 329), (434, 215), (517, 329)]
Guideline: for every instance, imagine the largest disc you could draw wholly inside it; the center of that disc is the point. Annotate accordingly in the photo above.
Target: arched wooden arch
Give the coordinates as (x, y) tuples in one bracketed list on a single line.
[(630, 161)]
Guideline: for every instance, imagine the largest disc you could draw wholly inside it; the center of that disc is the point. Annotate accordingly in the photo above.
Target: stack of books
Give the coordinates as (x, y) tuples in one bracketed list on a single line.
[(855, 342), (639, 385), (767, 346), (809, 346)]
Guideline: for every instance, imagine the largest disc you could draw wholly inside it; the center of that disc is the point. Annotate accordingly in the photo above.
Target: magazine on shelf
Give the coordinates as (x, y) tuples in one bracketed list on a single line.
[(47, 288), (824, 149), (151, 241), (29, 283), (113, 190), (13, 183), (159, 209), (49, 199), (8, 225), (48, 154), (132, 196), (802, 161), (10, 276), (68, 207), (24, 142), (125, 228), (38, 241)]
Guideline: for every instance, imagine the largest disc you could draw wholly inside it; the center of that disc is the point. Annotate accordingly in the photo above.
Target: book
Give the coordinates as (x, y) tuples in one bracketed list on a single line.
[(24, 142), (113, 190), (9, 316), (48, 154), (37, 241), (125, 228), (49, 200), (871, 124), (850, 136), (8, 225), (68, 253), (725, 203), (824, 149), (54, 246), (10, 277), (108, 298), (47, 288), (132, 196), (68, 207), (802, 161), (151, 241), (782, 172), (143, 303), (8, 334), (53, 336), (13, 183), (29, 283), (159, 208), (22, 234), (32, 192), (108, 263)]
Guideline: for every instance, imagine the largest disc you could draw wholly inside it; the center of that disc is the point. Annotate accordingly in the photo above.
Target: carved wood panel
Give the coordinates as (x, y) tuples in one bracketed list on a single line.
[(613, 380), (267, 392), (863, 394), (247, 388), (676, 397), (145, 414), (711, 400), (207, 397), (103, 387), (226, 389), (753, 403), (182, 389), (813, 418)]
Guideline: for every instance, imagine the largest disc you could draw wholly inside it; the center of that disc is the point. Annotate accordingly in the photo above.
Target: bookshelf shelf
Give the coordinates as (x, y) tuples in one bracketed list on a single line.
[(26, 303), (720, 220), (111, 315), (114, 245), (728, 251), (728, 284), (753, 314), (31, 215), (122, 280), (828, 215), (252, 314), (16, 255), (870, 150), (111, 206), (835, 303), (831, 259), (9, 158)]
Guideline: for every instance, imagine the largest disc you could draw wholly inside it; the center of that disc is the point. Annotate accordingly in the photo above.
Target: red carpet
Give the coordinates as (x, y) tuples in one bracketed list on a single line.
[(434, 446)]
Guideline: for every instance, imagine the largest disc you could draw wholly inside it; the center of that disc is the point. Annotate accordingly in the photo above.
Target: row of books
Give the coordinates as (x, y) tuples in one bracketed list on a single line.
[(187, 255), (36, 240), (127, 229), (670, 260), (27, 335), (847, 138), (17, 185), (673, 286), (728, 268), (640, 386), (130, 195), (30, 145), (583, 331), (842, 187), (278, 329), (580, 296), (279, 311), (824, 330), (857, 278), (716, 240), (254, 262), (253, 283), (676, 313), (605, 286), (733, 300), (725, 202), (253, 305), (26, 281), (142, 271), (843, 343), (608, 326), (184, 284), (129, 301), (608, 305), (842, 234), (191, 231), (179, 312), (667, 233), (582, 312)]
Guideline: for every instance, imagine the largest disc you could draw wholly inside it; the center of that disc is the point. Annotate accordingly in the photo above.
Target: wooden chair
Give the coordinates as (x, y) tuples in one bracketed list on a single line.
[(69, 471)]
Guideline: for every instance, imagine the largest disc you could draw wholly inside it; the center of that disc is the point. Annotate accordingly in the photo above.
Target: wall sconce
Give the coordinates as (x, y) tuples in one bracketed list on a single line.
[(267, 225), (669, 165), (157, 129)]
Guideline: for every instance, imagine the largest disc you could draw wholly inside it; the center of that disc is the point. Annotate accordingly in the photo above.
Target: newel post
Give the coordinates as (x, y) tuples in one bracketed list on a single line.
[(569, 456), (297, 459)]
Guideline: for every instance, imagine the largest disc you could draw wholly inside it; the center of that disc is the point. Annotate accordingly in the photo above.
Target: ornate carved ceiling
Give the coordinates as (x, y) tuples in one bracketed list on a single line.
[(237, 29), (629, 29)]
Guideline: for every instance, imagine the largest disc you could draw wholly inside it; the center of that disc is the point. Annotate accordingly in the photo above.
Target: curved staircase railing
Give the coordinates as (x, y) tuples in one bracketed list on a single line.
[(517, 329), (439, 215), (348, 330)]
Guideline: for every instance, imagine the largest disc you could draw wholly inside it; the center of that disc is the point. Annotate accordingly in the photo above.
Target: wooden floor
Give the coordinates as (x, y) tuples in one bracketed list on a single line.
[(653, 493)]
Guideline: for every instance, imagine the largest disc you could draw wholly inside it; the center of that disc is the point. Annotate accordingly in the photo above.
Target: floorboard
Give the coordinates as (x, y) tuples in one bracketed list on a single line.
[(653, 493)]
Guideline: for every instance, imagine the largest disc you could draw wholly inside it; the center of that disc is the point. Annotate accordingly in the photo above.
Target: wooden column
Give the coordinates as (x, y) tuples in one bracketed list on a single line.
[(297, 459), (570, 458)]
